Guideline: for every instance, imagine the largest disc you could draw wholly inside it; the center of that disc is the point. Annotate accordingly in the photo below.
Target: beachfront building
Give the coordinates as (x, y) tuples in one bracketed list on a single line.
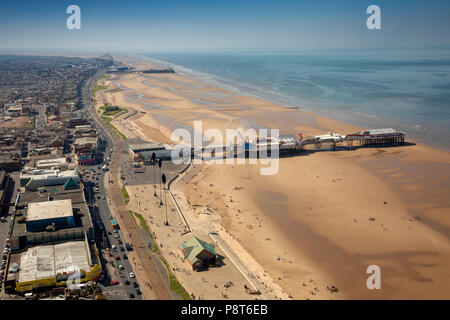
[(143, 151), (377, 137), (199, 254), (84, 149)]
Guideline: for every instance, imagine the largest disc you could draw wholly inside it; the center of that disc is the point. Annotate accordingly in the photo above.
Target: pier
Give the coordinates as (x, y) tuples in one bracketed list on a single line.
[(290, 144)]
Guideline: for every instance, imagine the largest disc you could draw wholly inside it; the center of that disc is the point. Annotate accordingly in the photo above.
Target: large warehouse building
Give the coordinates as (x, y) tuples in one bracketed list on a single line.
[(45, 266), (58, 213)]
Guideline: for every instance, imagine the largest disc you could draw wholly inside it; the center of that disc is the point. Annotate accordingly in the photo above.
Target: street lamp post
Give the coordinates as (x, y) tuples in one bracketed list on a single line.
[(160, 190), (163, 178), (154, 173)]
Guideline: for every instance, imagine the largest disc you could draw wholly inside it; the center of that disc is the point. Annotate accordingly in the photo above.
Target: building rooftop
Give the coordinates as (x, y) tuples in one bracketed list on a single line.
[(381, 131), (44, 174), (85, 140), (146, 146), (194, 246), (45, 163), (50, 260), (49, 210)]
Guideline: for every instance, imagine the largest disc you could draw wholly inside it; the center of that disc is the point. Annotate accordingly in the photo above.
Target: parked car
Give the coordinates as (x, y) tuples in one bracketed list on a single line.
[(121, 267), (114, 283), (125, 257), (138, 292), (135, 285), (132, 275), (117, 258)]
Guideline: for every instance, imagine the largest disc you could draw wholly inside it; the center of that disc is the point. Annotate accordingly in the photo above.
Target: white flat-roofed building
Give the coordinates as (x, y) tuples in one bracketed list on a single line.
[(35, 179), (58, 213), (330, 137), (56, 163)]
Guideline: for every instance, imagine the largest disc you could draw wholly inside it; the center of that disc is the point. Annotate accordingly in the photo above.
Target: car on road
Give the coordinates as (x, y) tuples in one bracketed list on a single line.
[(132, 275), (114, 283)]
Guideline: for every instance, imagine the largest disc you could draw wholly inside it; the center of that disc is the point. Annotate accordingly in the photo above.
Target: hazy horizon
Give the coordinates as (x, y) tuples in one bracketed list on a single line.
[(200, 25)]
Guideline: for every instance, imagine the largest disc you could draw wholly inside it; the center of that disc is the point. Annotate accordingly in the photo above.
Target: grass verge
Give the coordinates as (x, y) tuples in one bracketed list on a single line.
[(109, 124), (125, 195), (175, 285)]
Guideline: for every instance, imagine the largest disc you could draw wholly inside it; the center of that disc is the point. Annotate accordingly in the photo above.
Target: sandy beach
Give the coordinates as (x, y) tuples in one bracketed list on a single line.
[(325, 216)]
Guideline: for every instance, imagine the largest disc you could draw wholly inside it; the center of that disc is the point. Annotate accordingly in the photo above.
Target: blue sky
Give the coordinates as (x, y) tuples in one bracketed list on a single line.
[(198, 25)]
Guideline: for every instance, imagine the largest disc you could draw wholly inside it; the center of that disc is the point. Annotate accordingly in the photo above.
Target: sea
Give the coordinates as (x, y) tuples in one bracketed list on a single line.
[(405, 89)]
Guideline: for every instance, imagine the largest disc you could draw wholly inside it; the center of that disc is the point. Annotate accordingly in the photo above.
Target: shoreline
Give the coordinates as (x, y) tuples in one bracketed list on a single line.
[(358, 119), (399, 175)]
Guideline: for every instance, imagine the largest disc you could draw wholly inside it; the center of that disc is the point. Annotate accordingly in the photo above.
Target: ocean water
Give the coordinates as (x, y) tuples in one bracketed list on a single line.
[(405, 89)]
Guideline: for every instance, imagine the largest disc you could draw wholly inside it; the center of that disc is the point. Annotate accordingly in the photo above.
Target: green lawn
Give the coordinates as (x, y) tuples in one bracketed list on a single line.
[(175, 286), (112, 112), (108, 123)]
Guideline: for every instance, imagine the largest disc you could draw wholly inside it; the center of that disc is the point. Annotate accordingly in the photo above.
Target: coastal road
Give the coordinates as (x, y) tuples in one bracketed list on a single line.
[(125, 219)]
